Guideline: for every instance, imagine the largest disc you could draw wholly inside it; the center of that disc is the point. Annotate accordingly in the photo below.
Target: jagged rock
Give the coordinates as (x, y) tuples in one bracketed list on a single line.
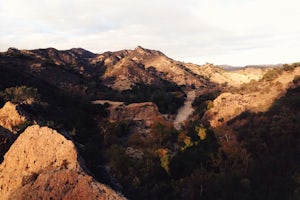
[(11, 116), (43, 164)]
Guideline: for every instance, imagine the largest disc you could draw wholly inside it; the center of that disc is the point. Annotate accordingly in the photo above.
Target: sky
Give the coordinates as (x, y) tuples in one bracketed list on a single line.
[(233, 32)]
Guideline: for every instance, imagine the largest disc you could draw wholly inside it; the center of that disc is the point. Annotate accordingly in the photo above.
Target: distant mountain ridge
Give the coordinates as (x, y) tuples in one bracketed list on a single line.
[(120, 70)]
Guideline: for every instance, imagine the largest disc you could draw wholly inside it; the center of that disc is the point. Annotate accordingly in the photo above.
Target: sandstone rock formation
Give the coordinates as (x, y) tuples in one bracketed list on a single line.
[(43, 164), (11, 116), (145, 112)]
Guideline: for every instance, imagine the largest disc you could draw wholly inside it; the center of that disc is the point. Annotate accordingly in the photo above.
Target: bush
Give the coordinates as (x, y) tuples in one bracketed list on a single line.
[(204, 102), (20, 95), (168, 98), (272, 74)]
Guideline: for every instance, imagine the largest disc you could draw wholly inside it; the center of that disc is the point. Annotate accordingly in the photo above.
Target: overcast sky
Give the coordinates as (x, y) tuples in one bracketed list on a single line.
[(235, 32)]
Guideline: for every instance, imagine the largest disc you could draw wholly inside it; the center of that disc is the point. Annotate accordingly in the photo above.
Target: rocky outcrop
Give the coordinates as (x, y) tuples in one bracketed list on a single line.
[(11, 116), (145, 112), (43, 164)]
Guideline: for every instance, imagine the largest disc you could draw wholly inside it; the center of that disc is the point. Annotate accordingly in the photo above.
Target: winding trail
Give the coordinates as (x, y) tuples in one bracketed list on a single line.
[(186, 110)]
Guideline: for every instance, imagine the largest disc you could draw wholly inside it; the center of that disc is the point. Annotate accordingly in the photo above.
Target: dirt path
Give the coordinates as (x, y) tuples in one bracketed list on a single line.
[(186, 110)]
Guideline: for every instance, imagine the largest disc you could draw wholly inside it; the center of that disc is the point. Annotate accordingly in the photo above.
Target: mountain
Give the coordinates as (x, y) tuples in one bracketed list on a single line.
[(120, 70), (147, 126)]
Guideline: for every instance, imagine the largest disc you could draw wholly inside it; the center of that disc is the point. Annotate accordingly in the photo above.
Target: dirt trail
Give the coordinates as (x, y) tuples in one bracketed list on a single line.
[(186, 110)]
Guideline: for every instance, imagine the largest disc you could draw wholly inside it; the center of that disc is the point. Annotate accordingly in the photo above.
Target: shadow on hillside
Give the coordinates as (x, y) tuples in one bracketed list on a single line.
[(272, 140)]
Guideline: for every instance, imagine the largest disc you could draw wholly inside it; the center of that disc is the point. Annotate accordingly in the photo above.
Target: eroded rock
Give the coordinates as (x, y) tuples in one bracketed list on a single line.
[(146, 112), (43, 164), (11, 116)]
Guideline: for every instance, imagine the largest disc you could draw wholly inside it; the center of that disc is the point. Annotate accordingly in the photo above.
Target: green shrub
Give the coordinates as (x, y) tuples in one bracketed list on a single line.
[(20, 94), (168, 98)]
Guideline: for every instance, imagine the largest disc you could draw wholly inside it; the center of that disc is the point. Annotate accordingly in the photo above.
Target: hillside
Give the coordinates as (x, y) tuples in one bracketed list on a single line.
[(148, 126)]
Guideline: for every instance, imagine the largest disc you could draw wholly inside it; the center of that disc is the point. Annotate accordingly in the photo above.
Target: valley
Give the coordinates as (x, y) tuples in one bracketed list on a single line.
[(137, 124)]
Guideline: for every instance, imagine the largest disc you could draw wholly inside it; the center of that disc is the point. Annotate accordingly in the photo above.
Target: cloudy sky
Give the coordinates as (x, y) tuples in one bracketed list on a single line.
[(235, 32)]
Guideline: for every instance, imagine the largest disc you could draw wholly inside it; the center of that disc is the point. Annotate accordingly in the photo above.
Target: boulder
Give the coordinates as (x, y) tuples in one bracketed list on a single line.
[(11, 116), (43, 164)]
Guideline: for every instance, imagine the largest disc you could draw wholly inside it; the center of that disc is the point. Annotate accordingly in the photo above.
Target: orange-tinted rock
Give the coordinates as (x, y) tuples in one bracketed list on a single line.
[(42, 164), (146, 112), (10, 116)]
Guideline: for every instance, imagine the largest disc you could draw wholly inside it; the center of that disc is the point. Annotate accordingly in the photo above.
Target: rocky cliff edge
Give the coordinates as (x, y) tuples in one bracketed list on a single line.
[(43, 164)]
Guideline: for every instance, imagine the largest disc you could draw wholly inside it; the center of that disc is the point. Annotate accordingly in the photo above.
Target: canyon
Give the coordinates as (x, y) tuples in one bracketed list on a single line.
[(137, 124)]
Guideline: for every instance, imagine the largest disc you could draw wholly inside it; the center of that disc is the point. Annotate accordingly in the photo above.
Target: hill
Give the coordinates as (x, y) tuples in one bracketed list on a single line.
[(148, 126)]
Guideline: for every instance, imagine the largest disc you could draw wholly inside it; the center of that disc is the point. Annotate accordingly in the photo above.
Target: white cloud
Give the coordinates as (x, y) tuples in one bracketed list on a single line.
[(235, 32)]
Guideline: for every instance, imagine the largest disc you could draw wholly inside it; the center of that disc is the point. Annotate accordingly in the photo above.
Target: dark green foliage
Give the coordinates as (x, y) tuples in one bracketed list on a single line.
[(142, 178), (273, 139), (114, 132), (204, 102), (168, 98), (197, 155), (164, 135), (20, 94)]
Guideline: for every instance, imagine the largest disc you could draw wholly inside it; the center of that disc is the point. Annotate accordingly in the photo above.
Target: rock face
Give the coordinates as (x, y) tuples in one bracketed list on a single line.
[(146, 112), (11, 117), (43, 164)]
